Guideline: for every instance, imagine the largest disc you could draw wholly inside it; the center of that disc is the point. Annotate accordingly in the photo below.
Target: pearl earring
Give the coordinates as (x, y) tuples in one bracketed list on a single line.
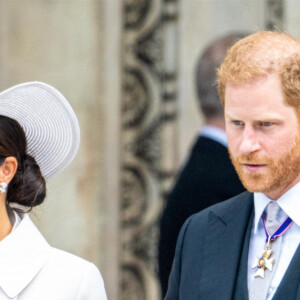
[(3, 188)]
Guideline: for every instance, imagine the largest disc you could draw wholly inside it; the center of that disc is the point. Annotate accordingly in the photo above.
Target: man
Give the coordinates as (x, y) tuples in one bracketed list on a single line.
[(247, 247), (208, 176)]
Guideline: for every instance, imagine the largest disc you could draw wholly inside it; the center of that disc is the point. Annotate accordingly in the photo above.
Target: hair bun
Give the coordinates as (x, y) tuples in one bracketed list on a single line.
[(28, 187)]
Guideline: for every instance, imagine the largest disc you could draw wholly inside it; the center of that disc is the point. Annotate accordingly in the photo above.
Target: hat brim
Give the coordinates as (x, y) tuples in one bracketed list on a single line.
[(50, 124)]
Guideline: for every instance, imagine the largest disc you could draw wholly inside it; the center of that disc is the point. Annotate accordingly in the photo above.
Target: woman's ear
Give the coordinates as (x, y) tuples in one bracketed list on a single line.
[(8, 169)]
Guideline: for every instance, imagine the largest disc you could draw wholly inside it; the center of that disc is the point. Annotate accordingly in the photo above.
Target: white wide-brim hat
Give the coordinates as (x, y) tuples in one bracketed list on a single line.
[(50, 124)]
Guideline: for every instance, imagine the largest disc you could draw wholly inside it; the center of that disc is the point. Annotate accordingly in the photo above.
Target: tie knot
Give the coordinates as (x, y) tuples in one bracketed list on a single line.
[(272, 215)]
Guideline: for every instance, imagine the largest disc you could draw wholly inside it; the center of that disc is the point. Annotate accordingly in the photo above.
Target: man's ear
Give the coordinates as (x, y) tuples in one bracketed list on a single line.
[(8, 169)]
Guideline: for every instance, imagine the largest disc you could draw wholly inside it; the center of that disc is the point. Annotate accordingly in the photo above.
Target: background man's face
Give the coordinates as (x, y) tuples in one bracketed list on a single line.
[(263, 138)]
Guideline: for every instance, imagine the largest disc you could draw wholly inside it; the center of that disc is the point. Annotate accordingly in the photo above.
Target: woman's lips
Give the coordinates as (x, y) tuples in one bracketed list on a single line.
[(254, 167)]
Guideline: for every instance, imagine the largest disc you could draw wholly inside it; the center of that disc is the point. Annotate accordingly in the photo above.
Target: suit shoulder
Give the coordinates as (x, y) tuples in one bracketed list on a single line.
[(232, 204), (227, 207), (208, 146)]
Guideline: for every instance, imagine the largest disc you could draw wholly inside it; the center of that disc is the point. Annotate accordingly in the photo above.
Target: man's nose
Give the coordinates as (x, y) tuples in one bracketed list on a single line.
[(250, 142)]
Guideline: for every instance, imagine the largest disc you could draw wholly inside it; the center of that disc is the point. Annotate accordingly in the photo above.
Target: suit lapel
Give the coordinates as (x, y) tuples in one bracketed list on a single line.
[(223, 246), (241, 285)]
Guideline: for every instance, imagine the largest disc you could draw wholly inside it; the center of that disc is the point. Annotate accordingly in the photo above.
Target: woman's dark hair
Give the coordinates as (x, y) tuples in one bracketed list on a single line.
[(28, 187)]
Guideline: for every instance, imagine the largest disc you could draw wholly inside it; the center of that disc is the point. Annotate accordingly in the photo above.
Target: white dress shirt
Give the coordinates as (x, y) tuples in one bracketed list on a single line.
[(290, 206)]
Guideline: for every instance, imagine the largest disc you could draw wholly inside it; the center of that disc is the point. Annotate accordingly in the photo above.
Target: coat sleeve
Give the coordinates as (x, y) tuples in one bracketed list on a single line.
[(91, 285), (173, 292)]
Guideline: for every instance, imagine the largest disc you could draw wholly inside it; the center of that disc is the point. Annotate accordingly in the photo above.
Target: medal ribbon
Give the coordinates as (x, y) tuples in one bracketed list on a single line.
[(281, 229)]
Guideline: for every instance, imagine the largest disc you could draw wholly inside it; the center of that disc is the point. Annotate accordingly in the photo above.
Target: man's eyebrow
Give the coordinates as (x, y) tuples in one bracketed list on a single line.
[(230, 117), (259, 118), (274, 117)]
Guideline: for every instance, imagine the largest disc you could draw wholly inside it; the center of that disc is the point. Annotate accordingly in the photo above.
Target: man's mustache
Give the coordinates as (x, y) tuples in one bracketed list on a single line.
[(253, 159)]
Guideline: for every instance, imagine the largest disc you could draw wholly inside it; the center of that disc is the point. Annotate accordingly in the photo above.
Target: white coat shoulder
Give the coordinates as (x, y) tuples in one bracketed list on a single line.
[(65, 276), (30, 269)]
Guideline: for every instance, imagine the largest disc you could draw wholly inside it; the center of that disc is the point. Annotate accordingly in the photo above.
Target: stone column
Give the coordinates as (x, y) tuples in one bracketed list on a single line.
[(148, 137)]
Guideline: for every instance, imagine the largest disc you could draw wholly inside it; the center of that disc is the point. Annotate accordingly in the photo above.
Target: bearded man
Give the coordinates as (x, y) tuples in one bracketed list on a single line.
[(247, 246)]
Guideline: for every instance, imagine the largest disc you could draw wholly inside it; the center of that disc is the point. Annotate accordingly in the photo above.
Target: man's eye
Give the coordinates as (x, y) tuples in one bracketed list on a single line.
[(237, 123), (266, 124)]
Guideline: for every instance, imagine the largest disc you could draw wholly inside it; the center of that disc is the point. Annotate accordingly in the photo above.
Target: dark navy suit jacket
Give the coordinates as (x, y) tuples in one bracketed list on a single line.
[(207, 178), (212, 256)]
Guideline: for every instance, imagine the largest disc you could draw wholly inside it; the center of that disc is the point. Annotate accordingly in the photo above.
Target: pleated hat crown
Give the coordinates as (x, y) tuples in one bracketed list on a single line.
[(49, 122)]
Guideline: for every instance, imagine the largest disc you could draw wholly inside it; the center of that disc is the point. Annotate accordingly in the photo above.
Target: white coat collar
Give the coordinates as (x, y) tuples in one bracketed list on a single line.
[(22, 255)]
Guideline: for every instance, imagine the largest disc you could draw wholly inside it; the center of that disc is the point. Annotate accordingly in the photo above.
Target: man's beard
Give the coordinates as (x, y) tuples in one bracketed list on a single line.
[(277, 174)]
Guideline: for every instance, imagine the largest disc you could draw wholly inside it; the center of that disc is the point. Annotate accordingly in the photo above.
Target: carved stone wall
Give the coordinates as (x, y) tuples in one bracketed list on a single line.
[(148, 137)]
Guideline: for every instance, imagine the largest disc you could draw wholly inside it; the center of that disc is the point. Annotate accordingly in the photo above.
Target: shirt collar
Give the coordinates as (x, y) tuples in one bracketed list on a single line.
[(288, 202), (215, 134), (22, 254), (260, 203)]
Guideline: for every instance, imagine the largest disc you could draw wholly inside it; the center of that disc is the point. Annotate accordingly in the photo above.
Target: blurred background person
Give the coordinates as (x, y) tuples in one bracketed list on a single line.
[(208, 176)]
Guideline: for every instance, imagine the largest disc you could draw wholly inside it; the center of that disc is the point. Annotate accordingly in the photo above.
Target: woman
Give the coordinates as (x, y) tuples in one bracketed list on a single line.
[(39, 136)]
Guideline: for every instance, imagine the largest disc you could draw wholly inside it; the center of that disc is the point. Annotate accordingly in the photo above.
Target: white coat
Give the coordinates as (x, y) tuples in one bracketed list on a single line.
[(30, 269)]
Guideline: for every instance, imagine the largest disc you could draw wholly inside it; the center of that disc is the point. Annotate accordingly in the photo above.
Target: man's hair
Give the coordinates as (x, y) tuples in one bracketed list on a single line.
[(206, 76), (259, 55)]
